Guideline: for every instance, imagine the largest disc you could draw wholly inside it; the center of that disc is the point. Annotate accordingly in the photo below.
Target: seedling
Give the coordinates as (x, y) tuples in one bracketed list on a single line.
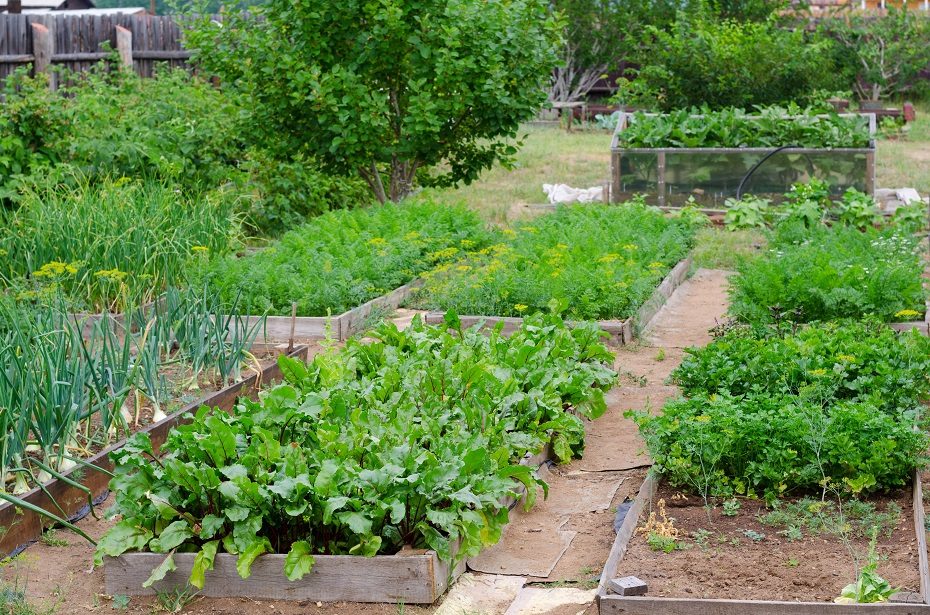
[(731, 507), (754, 535)]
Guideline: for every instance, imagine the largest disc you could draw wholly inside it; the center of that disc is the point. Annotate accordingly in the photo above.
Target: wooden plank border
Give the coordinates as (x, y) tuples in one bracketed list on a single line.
[(620, 331), (637, 605), (414, 578), (21, 527)]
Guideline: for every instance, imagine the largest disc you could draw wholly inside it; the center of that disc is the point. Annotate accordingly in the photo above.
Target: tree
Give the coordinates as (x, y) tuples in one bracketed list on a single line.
[(399, 91), (599, 35), (888, 53)]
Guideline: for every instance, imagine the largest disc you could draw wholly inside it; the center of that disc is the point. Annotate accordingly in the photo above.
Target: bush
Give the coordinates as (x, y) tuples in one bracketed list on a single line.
[(601, 262), (731, 64), (825, 273), (282, 195), (767, 413), (343, 259), (407, 440)]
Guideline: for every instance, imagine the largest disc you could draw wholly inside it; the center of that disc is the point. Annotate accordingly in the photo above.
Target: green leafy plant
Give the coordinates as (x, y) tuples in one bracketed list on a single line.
[(600, 261), (731, 507), (411, 439), (831, 272), (657, 542), (342, 259), (767, 127), (754, 535), (870, 587), (746, 213), (768, 412), (858, 210)]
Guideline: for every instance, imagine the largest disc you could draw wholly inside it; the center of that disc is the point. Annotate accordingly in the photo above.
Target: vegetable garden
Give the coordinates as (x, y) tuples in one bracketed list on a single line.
[(269, 334)]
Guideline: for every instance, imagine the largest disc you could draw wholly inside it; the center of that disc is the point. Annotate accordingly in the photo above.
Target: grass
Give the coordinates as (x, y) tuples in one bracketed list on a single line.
[(716, 248), (905, 163), (549, 156)]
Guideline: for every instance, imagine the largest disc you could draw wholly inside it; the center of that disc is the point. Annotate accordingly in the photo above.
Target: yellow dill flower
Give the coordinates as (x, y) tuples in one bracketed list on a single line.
[(113, 275), (443, 254), (200, 249), (54, 269), (846, 358), (608, 258), (906, 314), (528, 229), (463, 268), (630, 247), (818, 372), (561, 246), (466, 243), (509, 232), (520, 307), (377, 241), (656, 265), (702, 418), (411, 236)]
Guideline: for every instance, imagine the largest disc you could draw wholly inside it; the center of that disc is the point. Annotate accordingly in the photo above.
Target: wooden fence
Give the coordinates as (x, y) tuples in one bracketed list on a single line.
[(78, 42)]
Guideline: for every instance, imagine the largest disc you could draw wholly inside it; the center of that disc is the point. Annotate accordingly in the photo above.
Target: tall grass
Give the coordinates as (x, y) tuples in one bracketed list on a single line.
[(109, 245)]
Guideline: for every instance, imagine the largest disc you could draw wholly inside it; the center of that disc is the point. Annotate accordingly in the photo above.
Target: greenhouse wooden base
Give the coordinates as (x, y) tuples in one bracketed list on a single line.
[(417, 578), (620, 331), (340, 327), (912, 604), (20, 527)]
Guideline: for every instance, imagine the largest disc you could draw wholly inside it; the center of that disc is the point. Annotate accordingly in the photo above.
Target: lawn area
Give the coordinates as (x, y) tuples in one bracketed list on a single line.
[(905, 163), (549, 156)]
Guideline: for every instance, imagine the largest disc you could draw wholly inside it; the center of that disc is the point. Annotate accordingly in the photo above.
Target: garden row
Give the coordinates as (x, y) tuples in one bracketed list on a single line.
[(806, 412)]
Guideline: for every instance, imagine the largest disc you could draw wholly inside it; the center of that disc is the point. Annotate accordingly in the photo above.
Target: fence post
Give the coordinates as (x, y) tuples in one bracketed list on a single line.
[(42, 48), (124, 46)]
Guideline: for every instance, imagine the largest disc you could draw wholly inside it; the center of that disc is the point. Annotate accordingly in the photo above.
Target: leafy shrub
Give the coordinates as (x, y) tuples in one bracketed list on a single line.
[(725, 63), (30, 121), (343, 259), (833, 406), (409, 440), (599, 261), (824, 273), (109, 245), (767, 127), (284, 194)]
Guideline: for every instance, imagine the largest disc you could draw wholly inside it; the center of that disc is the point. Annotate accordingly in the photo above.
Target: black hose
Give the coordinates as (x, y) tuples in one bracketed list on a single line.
[(742, 182)]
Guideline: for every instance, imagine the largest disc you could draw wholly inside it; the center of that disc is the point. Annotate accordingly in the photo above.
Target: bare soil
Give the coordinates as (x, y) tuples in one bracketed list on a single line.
[(733, 566)]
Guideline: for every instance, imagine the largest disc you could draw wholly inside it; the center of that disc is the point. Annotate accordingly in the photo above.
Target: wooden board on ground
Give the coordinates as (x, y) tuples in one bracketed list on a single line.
[(418, 578), (23, 527), (620, 331)]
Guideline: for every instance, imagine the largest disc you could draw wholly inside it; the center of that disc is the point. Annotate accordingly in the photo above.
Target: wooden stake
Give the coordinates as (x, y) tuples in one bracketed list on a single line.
[(42, 48), (124, 47), (290, 340)]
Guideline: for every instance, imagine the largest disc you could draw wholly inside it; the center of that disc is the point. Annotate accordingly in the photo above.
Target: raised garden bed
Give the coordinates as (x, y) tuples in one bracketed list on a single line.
[(670, 176), (369, 497), (408, 577), (340, 327), (622, 562), (620, 331), (22, 527)]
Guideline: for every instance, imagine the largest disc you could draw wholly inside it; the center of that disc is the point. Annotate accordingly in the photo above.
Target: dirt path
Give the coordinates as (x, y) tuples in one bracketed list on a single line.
[(553, 555), (559, 548)]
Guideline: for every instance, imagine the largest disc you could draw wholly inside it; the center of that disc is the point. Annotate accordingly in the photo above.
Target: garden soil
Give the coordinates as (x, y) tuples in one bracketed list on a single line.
[(733, 566), (62, 575)]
